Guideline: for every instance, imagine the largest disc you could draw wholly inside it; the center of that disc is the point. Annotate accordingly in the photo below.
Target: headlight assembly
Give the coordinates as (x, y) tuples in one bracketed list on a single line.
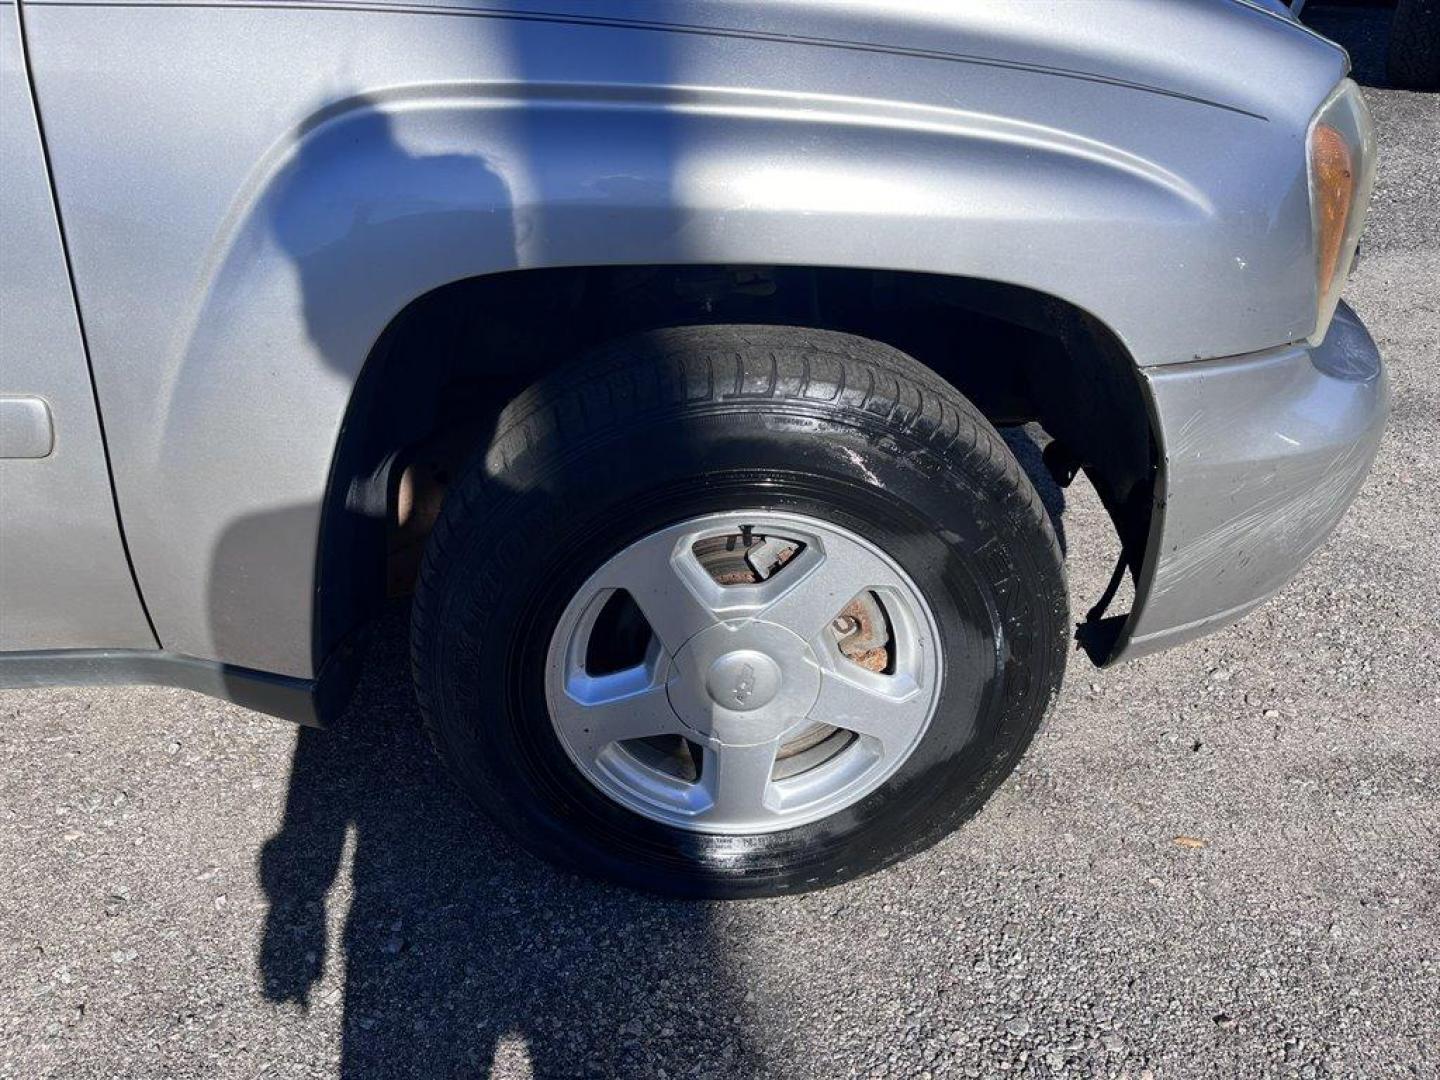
[(1341, 147)]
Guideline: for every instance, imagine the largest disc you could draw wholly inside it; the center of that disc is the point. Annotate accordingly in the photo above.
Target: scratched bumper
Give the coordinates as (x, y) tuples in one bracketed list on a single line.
[(1262, 455)]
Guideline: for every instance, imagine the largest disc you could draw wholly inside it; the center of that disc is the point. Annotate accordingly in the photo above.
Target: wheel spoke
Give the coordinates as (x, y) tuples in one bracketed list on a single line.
[(812, 590), (670, 587), (888, 708), (596, 711), (737, 779)]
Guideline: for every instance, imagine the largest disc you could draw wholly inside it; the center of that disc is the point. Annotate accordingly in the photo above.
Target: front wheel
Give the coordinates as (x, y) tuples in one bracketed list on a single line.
[(732, 611)]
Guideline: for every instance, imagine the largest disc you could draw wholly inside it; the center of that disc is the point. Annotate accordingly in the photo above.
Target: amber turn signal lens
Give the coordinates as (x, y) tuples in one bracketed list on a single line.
[(1333, 171)]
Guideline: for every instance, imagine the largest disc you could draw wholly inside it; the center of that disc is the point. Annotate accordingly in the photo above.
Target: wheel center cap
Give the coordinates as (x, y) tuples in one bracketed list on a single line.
[(743, 682)]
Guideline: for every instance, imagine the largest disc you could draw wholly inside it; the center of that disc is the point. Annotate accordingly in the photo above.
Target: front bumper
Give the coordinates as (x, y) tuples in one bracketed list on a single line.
[(1261, 455)]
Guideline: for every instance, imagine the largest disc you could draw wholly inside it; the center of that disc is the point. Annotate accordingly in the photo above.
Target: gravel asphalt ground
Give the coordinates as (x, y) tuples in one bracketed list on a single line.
[(1219, 861)]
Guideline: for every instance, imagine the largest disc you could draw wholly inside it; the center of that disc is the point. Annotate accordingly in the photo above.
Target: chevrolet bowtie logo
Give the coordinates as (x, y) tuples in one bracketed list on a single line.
[(744, 685)]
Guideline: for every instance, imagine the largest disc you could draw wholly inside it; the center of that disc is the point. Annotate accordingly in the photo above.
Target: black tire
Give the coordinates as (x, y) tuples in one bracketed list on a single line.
[(1413, 62), (671, 424)]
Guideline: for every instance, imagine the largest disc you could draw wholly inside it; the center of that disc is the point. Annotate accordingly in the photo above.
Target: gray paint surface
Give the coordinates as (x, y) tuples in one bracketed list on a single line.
[(64, 582), (253, 191), (1262, 456)]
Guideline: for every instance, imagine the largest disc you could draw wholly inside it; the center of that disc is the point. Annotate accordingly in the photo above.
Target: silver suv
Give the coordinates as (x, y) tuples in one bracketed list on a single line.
[(657, 353)]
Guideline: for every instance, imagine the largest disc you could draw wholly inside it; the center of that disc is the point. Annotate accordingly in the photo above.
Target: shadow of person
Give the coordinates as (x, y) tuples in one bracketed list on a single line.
[(458, 951), (457, 947), (369, 206)]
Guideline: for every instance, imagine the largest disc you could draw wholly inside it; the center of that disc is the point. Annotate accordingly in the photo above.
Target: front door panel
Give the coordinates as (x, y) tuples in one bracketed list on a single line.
[(64, 579)]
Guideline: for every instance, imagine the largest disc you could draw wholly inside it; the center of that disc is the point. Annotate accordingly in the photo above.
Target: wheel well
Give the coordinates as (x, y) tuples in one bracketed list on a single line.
[(446, 365)]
